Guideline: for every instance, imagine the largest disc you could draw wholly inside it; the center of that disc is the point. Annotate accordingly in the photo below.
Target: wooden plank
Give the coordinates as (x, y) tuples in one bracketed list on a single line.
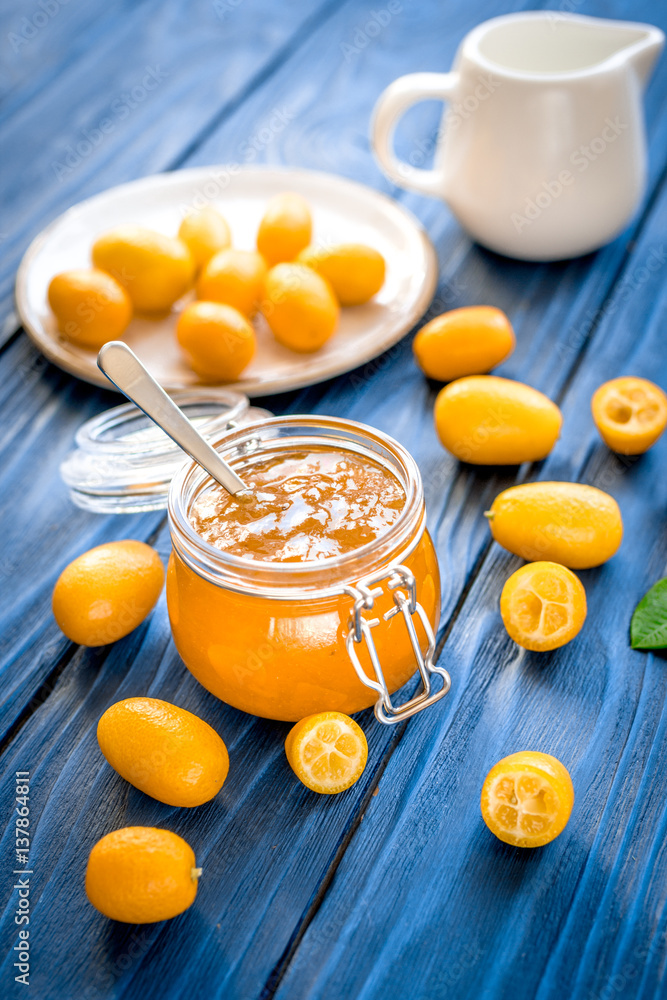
[(39, 40), (449, 908), (185, 64), (43, 531)]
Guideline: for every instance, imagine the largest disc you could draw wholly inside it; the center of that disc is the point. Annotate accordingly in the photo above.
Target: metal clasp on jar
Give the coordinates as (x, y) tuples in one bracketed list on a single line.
[(405, 603)]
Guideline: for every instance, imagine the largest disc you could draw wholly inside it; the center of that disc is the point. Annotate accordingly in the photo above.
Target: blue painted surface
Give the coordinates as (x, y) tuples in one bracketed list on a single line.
[(396, 886)]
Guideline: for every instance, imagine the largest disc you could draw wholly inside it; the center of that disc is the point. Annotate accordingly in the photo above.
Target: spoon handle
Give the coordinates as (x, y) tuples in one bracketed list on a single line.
[(122, 367)]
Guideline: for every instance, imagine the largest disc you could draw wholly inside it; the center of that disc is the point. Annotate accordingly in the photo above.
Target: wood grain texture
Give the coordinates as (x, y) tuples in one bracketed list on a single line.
[(415, 896), (39, 41)]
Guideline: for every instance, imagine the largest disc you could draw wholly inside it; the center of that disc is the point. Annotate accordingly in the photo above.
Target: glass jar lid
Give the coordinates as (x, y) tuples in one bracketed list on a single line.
[(124, 463)]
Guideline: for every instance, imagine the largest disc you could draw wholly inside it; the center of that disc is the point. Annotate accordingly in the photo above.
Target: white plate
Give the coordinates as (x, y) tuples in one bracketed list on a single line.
[(343, 211)]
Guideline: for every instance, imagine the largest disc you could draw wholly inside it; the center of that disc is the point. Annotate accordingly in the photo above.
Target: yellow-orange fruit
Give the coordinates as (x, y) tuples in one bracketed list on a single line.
[(141, 874), (300, 307), (235, 278), (354, 271), (217, 339), (527, 799), (204, 232), (154, 269), (90, 306), (468, 341), (106, 592), (630, 414), (569, 523), (488, 420), (327, 752), (285, 229), (165, 751), (543, 606)]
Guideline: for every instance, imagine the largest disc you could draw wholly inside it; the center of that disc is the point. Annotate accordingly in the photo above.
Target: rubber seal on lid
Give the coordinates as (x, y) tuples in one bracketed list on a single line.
[(124, 464)]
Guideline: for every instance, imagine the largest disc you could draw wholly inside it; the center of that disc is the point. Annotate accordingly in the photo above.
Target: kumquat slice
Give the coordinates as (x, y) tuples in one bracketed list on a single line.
[(630, 414), (327, 752), (543, 606), (527, 799)]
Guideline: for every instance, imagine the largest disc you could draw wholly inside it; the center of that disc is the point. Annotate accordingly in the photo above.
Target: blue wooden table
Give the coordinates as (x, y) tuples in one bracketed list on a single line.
[(395, 888)]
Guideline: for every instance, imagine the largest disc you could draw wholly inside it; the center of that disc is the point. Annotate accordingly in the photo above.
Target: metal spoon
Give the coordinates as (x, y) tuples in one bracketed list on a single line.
[(122, 367)]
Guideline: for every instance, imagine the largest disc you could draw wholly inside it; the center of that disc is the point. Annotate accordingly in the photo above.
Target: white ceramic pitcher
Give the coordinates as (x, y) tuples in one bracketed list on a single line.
[(541, 153)]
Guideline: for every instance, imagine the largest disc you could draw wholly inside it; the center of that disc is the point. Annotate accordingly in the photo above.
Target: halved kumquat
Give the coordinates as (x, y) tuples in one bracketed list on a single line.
[(630, 414), (327, 752), (527, 799), (543, 606)]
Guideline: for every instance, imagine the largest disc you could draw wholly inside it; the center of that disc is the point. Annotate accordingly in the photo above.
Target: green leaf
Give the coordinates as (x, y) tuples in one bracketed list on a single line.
[(648, 628)]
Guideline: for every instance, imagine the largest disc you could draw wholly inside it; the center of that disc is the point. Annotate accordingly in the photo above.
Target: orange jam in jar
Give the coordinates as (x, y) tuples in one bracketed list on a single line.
[(318, 587), (301, 506)]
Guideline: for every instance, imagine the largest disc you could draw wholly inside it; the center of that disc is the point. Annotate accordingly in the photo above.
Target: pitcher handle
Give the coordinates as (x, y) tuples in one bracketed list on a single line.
[(394, 102)]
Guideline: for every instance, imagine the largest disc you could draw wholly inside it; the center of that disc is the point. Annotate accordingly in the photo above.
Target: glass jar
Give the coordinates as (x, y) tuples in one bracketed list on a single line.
[(123, 463), (283, 640)]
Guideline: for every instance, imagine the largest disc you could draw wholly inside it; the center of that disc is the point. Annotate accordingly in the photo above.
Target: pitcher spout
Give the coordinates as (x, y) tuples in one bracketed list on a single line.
[(642, 50)]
